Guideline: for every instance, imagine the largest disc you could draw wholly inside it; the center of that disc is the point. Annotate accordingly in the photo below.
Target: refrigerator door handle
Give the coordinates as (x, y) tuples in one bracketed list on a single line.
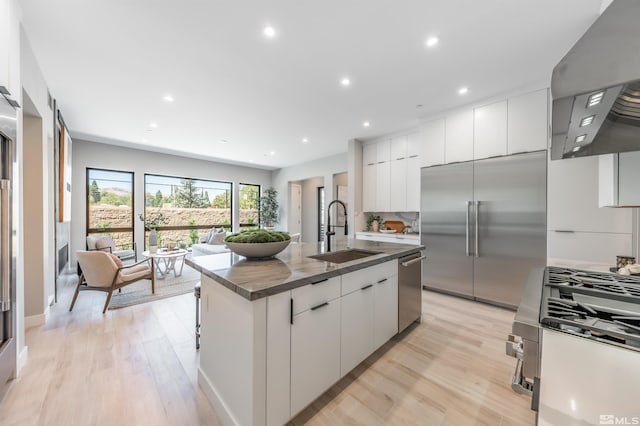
[(477, 210), (466, 249), (5, 296)]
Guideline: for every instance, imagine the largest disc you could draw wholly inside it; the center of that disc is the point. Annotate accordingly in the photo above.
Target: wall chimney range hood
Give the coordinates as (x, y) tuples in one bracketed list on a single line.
[(596, 87)]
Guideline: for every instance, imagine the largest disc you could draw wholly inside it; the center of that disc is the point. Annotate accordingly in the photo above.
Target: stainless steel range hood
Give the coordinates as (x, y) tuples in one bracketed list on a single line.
[(596, 87)]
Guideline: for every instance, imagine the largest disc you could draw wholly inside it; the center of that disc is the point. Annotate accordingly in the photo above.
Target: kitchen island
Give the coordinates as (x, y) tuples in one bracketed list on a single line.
[(277, 333)]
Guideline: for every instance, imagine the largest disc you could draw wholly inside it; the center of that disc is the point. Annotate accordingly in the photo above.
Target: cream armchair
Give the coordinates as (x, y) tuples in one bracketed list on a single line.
[(100, 272), (106, 243)]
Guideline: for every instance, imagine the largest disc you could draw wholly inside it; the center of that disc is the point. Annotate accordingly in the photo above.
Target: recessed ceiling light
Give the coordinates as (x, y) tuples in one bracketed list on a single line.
[(581, 138), (576, 149), (345, 82), (305, 140), (272, 153), (587, 120), (432, 41), (595, 99), (463, 90), (168, 98), (366, 124), (153, 125), (269, 31)]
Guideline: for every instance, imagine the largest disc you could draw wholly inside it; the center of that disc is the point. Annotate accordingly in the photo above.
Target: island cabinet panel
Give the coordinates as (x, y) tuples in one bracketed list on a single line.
[(314, 294), (315, 353), (385, 310), (356, 331), (278, 358)]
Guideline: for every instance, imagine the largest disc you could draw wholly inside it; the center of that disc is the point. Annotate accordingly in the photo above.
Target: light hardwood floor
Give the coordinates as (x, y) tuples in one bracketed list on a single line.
[(137, 366)]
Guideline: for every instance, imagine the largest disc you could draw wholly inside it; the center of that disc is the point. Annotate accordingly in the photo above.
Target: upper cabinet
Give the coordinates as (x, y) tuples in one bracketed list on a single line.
[(4, 43), (432, 135), (383, 151), (10, 47), (490, 130), (369, 154), (527, 127), (399, 148), (459, 137)]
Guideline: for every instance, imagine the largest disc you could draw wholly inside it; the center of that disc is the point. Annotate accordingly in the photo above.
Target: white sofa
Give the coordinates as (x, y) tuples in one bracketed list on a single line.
[(204, 249)]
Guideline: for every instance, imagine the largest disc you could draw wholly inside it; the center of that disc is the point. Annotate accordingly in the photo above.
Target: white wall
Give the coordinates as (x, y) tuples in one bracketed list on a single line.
[(88, 154), (323, 167), (310, 209), (37, 187)]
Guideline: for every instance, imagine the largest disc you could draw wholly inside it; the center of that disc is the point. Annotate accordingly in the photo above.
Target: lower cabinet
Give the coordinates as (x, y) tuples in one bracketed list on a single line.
[(356, 331), (315, 353), (385, 310)]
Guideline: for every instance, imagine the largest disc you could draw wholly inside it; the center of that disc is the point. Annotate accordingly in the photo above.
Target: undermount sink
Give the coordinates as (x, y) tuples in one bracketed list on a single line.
[(344, 255)]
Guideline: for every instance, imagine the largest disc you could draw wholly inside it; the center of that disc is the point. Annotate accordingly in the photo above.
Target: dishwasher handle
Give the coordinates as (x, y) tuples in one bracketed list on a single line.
[(412, 261)]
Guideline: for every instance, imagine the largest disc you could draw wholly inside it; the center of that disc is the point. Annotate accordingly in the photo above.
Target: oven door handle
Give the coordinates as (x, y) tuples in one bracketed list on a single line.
[(518, 382)]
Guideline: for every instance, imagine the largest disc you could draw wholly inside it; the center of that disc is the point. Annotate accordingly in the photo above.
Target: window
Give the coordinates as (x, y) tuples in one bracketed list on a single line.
[(110, 205), (249, 205), (185, 209)]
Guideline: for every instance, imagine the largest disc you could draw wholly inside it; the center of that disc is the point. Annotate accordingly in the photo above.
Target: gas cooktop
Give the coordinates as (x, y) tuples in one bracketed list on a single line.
[(594, 305)]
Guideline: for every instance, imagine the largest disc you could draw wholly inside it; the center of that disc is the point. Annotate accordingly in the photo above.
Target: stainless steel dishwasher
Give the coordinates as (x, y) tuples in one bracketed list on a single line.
[(409, 289)]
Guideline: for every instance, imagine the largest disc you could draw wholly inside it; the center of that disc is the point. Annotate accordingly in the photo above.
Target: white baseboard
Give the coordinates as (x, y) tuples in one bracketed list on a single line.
[(216, 402), (35, 320), (22, 359)]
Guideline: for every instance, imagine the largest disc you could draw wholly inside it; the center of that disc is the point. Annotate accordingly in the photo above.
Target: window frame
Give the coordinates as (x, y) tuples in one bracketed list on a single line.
[(88, 230), (248, 225)]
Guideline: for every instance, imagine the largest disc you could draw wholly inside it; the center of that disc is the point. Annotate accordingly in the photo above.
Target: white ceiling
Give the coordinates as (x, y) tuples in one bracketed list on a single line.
[(109, 64)]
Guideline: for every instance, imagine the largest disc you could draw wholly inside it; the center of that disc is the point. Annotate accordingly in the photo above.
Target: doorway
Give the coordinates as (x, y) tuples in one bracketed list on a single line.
[(295, 209)]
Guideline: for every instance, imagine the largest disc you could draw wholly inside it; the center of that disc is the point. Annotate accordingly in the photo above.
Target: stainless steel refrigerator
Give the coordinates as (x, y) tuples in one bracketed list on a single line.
[(8, 237), (483, 224)]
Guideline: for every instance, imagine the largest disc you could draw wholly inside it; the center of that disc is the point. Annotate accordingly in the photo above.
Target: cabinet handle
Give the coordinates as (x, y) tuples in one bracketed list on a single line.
[(291, 312), (565, 231), (413, 156), (321, 281), (382, 280), (320, 306), (366, 287), (400, 158), (381, 162), (370, 164)]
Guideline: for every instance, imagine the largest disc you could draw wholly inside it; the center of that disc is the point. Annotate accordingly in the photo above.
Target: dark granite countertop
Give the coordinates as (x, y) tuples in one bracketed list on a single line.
[(291, 268)]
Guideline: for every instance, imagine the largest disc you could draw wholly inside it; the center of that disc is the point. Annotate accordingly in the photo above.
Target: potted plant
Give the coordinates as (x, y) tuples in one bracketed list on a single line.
[(373, 223), (269, 208)]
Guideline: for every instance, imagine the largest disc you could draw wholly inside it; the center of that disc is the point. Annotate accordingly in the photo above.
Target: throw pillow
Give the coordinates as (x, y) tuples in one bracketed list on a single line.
[(218, 237), (117, 260), (105, 244), (205, 239)]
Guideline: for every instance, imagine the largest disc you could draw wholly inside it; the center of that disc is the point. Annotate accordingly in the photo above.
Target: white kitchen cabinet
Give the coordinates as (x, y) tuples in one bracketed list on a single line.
[(383, 187), (459, 137), (356, 333), (398, 188), (5, 26), (432, 135), (527, 124), (399, 148), (369, 154), (369, 178), (383, 151), (414, 145), (573, 199), (315, 353), (385, 309), (413, 185), (577, 228), (490, 130)]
